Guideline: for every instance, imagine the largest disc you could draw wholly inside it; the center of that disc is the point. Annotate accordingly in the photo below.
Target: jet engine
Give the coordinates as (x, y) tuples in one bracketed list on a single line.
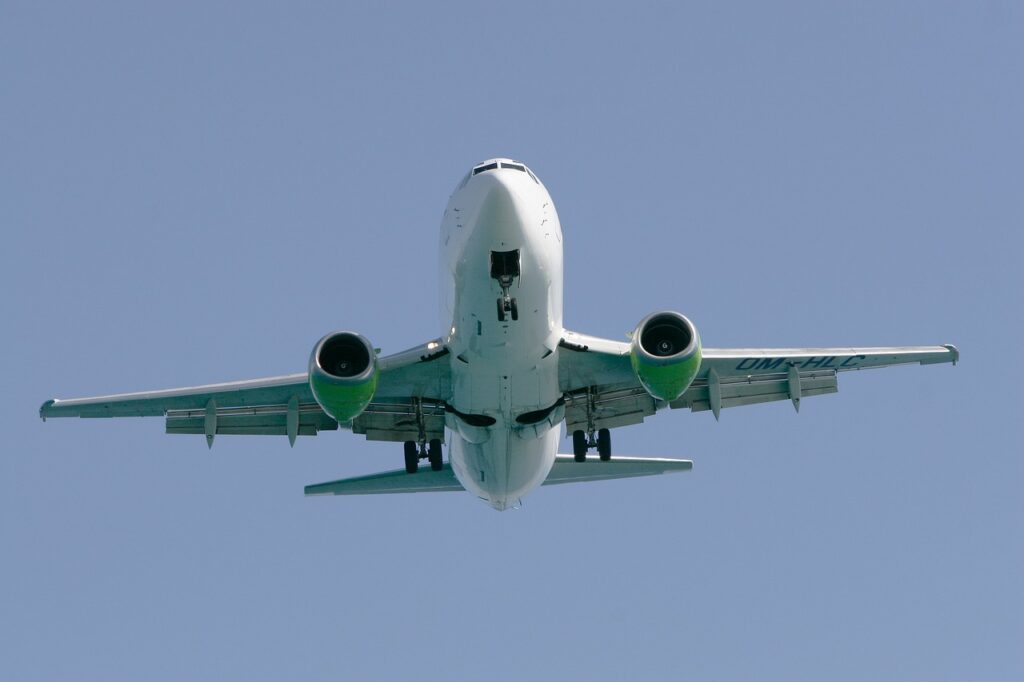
[(343, 374), (665, 354)]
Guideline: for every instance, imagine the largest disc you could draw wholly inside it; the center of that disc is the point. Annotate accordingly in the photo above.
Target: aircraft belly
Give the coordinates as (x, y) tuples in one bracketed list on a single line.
[(504, 468), (502, 369)]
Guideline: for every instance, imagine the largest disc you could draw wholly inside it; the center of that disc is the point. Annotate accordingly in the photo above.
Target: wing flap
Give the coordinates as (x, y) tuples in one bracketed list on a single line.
[(738, 391), (264, 420), (611, 408)]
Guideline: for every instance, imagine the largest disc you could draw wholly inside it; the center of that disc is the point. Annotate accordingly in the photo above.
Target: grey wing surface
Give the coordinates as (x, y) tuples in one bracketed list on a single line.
[(416, 381), (597, 372)]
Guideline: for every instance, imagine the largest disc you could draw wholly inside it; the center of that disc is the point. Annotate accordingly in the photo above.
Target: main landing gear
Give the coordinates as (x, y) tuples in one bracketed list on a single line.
[(415, 450), (581, 443), (585, 440), (431, 451)]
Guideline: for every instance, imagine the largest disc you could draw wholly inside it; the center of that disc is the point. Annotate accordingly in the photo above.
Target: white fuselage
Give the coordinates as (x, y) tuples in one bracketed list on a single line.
[(502, 370)]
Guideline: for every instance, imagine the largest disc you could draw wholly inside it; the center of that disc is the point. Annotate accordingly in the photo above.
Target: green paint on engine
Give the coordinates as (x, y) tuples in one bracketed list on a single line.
[(343, 400), (665, 380)]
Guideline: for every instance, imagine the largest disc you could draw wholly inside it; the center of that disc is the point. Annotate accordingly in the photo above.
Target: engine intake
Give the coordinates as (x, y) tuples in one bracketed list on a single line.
[(665, 354), (343, 374)]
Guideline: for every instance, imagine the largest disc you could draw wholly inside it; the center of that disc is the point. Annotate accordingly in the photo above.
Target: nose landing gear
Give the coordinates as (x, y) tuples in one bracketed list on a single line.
[(505, 268), (507, 304)]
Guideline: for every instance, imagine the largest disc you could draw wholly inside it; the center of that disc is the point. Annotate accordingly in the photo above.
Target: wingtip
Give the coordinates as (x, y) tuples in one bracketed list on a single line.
[(43, 408), (954, 351)]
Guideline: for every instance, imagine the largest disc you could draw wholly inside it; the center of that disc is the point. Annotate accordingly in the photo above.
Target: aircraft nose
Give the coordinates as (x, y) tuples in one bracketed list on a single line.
[(499, 210)]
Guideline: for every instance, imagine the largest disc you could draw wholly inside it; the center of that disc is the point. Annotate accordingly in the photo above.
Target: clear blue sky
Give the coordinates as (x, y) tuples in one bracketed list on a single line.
[(199, 192)]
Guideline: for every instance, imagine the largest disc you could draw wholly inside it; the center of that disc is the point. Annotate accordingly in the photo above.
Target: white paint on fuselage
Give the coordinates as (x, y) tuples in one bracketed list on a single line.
[(502, 369)]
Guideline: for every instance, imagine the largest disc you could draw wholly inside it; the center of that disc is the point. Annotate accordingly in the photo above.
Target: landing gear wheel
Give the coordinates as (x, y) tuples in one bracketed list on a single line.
[(515, 310), (604, 444), (579, 446), (434, 455), (501, 310), (412, 457)]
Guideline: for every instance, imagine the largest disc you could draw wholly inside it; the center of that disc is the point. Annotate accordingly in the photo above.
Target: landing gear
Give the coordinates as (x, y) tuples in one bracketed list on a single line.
[(434, 455), (593, 437), (415, 450), (507, 304), (604, 445), (431, 452), (412, 457), (581, 444), (505, 267)]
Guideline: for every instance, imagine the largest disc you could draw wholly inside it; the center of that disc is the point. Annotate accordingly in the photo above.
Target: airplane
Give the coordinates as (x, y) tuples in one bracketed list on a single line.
[(504, 375)]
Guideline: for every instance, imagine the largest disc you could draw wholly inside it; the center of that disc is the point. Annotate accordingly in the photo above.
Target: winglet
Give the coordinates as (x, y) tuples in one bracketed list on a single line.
[(954, 351), (43, 408)]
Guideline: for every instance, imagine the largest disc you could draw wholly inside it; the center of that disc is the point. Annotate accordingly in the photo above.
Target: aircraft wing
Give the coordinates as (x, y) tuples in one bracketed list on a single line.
[(599, 371), (409, 381), (565, 470)]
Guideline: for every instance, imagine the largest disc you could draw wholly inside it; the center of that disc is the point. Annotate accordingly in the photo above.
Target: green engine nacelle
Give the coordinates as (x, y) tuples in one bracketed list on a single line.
[(665, 354), (343, 374)]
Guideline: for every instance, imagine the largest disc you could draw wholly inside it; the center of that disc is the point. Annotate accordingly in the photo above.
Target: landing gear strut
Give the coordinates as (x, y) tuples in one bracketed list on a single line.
[(505, 268), (582, 441), (415, 450)]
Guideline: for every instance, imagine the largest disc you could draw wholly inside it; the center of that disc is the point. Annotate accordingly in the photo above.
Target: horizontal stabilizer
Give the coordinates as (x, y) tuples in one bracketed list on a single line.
[(568, 470), (565, 470), (396, 481)]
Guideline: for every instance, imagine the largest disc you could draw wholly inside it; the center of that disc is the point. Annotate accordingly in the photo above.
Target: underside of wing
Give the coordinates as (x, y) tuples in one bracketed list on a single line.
[(602, 390), (410, 393)]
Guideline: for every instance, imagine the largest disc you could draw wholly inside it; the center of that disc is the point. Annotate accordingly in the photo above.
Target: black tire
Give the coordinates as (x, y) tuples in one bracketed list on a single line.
[(434, 455), (412, 457), (579, 446), (515, 310), (501, 311), (604, 444)]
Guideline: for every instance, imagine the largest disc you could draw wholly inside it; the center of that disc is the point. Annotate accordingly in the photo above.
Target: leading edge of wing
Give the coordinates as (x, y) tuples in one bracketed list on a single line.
[(156, 403), (879, 355)]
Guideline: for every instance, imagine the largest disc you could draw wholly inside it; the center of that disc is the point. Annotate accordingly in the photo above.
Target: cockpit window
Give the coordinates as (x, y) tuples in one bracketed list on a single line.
[(511, 165)]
